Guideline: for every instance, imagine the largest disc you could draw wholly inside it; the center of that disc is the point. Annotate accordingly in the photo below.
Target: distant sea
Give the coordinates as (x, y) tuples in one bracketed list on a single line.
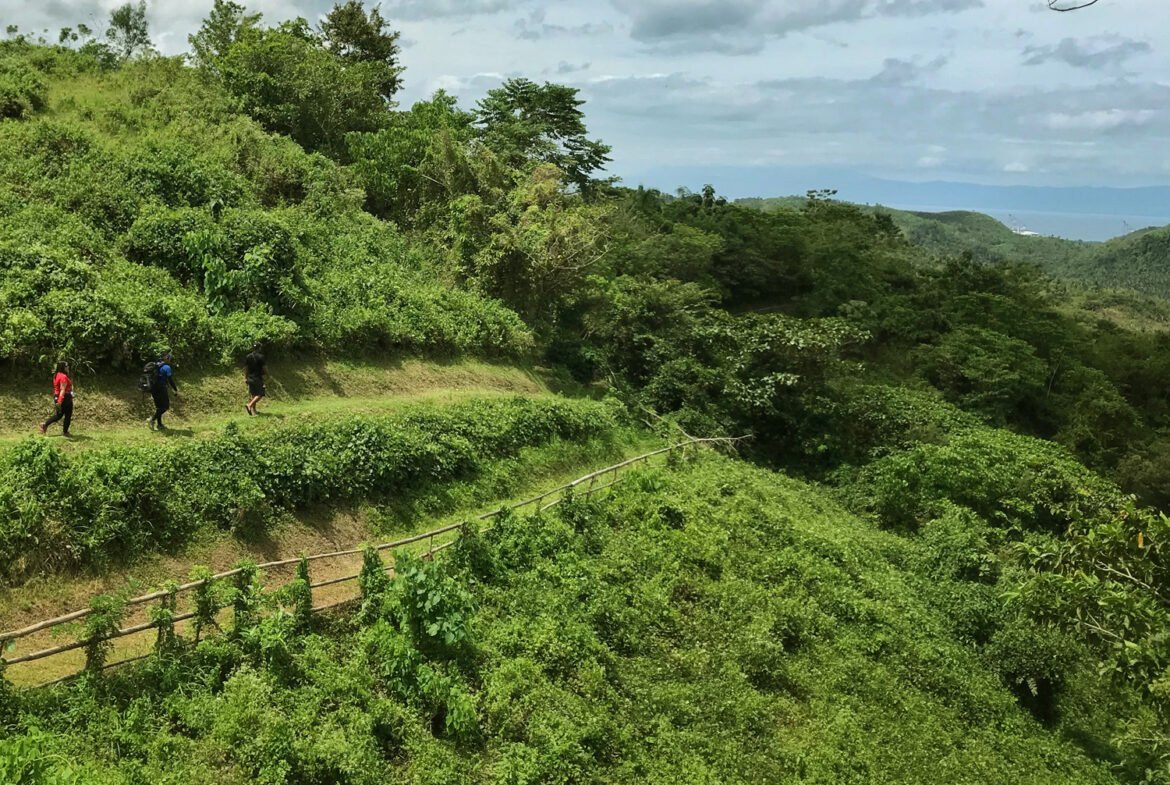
[(1071, 226)]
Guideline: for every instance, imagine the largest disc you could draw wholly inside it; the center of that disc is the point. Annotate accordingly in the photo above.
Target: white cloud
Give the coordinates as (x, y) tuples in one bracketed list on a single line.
[(1099, 120), (940, 88)]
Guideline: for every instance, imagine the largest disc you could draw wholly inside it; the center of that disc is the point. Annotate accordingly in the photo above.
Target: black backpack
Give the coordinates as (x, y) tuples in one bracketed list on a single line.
[(149, 378)]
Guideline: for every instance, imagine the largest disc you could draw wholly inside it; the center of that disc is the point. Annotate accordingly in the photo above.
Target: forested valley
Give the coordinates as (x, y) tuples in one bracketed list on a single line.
[(936, 555)]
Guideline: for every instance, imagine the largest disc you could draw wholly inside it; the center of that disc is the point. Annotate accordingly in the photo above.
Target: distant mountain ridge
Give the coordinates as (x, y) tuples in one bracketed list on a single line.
[(1151, 201), (1139, 261)]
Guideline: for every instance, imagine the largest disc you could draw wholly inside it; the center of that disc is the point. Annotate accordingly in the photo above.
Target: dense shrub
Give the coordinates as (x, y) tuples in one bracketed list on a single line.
[(22, 90), (1007, 479)]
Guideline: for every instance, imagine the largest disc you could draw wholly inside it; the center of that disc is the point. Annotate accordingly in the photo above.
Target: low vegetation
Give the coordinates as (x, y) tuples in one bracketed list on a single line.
[(712, 622)]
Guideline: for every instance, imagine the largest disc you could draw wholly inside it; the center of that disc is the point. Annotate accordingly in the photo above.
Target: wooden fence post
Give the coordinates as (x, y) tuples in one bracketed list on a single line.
[(246, 597), (101, 624), (163, 615), (303, 595), (205, 603)]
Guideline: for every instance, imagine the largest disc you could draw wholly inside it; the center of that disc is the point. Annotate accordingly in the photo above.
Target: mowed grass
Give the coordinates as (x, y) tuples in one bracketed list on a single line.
[(109, 408)]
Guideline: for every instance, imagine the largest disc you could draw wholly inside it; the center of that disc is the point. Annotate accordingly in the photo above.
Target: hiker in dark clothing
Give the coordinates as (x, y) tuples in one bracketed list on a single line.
[(255, 369), (62, 398), (164, 375)]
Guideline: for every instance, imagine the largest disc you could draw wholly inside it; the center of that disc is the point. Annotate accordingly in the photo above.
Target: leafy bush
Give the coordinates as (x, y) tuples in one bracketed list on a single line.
[(22, 90), (1007, 479)]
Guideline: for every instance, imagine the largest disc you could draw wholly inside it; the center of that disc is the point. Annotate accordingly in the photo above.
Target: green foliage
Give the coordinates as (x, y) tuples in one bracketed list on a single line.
[(529, 122), (300, 596), (128, 31), (1037, 660), (23, 91), (291, 84), (401, 165), (431, 606), (128, 501), (105, 616), (25, 762), (219, 31), (169, 219), (986, 372), (363, 38), (207, 601), (1130, 262), (1105, 582), (246, 597), (374, 584), (1013, 481), (654, 637), (163, 615)]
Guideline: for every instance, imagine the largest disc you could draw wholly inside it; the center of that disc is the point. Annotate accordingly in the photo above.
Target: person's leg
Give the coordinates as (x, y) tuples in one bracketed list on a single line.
[(161, 404), (58, 413), (68, 405)]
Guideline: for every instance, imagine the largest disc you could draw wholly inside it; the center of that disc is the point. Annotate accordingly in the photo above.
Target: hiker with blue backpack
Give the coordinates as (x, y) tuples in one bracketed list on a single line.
[(156, 377)]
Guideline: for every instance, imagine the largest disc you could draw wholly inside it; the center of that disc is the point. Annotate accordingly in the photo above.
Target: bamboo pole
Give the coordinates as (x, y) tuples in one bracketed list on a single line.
[(40, 655)]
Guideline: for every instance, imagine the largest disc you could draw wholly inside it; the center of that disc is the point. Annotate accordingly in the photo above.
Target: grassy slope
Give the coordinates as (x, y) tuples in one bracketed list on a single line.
[(714, 624), (109, 408), (321, 530)]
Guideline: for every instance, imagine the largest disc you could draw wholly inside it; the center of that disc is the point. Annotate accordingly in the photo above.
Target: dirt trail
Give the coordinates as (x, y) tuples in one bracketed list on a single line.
[(108, 410)]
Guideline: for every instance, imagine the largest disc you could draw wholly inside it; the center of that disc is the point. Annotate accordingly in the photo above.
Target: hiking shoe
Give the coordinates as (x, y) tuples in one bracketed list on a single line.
[(150, 423), (248, 409), (42, 428)]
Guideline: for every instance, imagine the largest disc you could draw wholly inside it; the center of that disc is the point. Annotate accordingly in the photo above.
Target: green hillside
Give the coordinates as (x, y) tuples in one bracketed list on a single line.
[(140, 209), (713, 623), (938, 553), (959, 231), (1136, 261)]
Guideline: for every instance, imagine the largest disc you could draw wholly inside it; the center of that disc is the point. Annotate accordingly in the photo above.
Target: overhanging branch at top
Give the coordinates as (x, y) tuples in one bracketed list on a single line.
[(1070, 5)]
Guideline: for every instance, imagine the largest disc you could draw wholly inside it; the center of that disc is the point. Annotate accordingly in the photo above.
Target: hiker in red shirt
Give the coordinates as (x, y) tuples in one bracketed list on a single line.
[(62, 397)]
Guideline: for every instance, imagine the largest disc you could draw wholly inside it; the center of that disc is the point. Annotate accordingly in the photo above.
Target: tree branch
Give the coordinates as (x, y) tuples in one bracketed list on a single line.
[(1055, 5)]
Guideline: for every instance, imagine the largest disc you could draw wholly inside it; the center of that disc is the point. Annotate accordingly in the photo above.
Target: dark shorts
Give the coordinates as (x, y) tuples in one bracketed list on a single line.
[(255, 386)]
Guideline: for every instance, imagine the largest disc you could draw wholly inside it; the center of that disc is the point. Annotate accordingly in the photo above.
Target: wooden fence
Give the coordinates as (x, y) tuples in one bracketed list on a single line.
[(591, 483)]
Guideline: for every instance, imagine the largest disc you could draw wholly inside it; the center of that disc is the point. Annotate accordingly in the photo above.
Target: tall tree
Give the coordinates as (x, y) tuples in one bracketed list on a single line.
[(291, 84), (358, 36), (219, 31), (129, 32), (526, 122)]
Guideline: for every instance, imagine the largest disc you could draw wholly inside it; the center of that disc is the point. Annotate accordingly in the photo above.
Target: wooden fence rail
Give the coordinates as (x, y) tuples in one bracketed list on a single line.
[(7, 637)]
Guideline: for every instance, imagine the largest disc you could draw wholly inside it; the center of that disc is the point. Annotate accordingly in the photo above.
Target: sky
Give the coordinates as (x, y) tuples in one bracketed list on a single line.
[(998, 92)]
